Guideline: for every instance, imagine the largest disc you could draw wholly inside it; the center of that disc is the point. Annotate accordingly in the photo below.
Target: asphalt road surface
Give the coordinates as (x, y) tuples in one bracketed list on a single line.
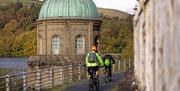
[(83, 85)]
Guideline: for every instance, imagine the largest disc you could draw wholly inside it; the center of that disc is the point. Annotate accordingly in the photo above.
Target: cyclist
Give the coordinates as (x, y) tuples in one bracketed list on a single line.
[(93, 61), (108, 60)]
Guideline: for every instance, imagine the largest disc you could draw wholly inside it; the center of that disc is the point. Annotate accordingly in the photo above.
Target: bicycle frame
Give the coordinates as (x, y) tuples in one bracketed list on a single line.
[(93, 81), (107, 77)]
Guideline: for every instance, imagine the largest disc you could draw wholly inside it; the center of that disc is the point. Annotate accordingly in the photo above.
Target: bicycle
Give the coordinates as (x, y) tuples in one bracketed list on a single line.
[(107, 77), (93, 81)]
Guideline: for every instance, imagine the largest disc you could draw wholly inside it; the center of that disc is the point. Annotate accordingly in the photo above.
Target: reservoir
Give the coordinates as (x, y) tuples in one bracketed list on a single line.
[(13, 65)]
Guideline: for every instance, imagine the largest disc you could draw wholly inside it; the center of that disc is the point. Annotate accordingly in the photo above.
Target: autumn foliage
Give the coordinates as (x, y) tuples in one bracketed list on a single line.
[(18, 29), (18, 32)]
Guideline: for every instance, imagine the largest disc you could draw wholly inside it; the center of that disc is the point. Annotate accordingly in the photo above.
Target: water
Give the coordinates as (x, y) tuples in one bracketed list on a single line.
[(13, 65)]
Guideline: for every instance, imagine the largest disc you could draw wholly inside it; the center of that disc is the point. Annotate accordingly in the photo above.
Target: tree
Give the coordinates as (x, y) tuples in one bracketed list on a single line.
[(10, 27), (1, 8), (18, 5), (18, 23), (25, 44), (117, 37)]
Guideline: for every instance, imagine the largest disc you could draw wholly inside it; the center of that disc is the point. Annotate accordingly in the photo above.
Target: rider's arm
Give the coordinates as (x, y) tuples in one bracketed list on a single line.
[(87, 59), (112, 59), (100, 59), (104, 57)]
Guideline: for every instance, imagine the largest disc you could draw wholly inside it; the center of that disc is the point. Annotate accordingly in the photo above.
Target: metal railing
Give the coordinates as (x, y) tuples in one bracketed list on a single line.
[(50, 77)]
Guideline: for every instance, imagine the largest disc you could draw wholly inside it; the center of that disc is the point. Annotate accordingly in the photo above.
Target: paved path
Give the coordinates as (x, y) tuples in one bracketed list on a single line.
[(83, 85)]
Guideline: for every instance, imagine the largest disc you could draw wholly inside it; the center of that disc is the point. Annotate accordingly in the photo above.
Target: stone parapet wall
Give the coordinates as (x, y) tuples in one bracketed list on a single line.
[(157, 45)]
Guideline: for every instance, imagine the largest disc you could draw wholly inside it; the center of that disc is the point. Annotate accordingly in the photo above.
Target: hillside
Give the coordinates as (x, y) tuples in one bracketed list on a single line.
[(6, 2), (23, 1), (112, 13), (18, 31)]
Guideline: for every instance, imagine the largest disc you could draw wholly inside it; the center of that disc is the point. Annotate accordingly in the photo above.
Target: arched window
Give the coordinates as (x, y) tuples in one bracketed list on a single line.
[(55, 45), (80, 44), (40, 46)]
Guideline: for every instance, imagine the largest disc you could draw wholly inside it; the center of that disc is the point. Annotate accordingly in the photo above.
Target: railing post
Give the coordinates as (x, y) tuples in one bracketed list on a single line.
[(24, 81), (119, 65), (129, 63), (51, 77), (70, 73), (79, 71), (124, 65), (61, 75), (38, 80), (7, 82), (87, 74), (113, 67)]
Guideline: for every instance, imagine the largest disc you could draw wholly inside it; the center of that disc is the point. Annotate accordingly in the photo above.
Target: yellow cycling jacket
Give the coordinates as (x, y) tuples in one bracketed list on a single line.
[(94, 64)]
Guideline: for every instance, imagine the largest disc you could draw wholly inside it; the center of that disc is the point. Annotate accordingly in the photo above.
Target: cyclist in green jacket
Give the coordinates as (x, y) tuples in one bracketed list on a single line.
[(94, 60), (108, 61)]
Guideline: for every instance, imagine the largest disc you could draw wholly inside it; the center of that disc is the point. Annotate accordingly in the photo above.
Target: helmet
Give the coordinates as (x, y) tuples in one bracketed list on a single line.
[(94, 48)]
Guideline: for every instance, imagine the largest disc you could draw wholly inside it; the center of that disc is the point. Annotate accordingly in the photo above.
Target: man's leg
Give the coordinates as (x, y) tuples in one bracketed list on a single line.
[(89, 72), (97, 71), (110, 72), (106, 68)]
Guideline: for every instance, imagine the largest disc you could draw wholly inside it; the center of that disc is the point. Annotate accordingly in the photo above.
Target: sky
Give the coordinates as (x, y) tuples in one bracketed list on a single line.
[(122, 5)]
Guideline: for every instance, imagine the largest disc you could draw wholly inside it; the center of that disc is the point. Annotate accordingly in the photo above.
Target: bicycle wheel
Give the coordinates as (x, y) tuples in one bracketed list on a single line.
[(109, 77), (95, 80), (106, 78), (97, 84), (91, 85)]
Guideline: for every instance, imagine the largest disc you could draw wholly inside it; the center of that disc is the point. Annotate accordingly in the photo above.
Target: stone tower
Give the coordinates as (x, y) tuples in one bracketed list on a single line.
[(67, 27)]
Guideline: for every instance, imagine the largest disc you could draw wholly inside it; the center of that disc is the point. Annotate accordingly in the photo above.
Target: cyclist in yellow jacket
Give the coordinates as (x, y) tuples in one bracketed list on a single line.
[(94, 60)]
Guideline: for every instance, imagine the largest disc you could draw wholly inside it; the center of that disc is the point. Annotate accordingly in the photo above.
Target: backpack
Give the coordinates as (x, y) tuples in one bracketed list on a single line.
[(92, 58), (107, 62)]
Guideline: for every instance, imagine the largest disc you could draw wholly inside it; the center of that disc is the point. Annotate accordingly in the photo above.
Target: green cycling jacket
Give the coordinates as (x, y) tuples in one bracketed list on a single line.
[(94, 64)]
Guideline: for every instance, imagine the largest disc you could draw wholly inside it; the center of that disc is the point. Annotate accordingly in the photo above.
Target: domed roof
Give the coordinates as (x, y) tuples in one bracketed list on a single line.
[(68, 9)]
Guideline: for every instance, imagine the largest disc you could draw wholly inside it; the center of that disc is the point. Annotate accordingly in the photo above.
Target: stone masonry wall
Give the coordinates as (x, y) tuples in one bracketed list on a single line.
[(157, 45), (67, 31)]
